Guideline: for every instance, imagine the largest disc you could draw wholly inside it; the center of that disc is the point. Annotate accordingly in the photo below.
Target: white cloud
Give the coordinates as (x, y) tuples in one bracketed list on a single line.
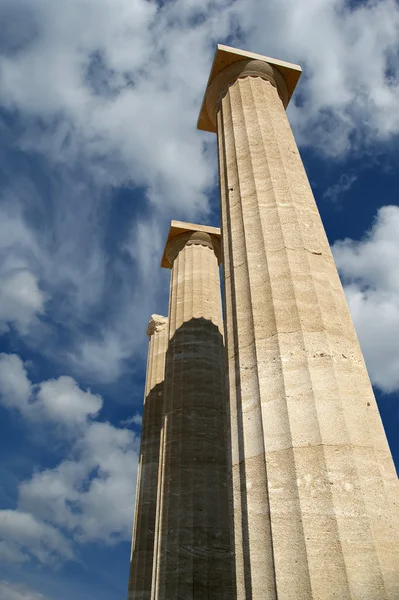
[(102, 357), (16, 591), (64, 401), (60, 400), (74, 498), (24, 536), (370, 270), (134, 420), (15, 387), (78, 493), (20, 299)]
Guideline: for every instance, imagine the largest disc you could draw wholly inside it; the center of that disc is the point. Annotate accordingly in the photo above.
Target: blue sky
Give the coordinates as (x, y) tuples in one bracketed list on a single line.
[(98, 152)]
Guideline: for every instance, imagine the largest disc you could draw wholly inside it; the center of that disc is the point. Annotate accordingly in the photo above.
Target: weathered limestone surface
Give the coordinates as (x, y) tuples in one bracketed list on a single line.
[(315, 488), (141, 560), (194, 551)]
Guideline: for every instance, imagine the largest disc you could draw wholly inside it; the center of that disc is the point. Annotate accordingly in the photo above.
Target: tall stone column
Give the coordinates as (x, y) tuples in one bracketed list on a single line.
[(314, 483), (141, 560), (193, 551)]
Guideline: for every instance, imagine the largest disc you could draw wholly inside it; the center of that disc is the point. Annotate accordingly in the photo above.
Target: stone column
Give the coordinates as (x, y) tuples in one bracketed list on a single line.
[(314, 483), (193, 553), (141, 560)]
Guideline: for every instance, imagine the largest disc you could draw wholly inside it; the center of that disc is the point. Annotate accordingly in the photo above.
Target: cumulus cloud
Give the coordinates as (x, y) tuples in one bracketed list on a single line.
[(64, 401), (60, 400), (23, 537), (370, 272), (77, 494), (102, 356), (73, 499)]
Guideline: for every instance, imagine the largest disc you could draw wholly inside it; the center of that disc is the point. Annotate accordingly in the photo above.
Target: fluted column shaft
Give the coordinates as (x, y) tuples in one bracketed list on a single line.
[(313, 478), (193, 554), (141, 561)]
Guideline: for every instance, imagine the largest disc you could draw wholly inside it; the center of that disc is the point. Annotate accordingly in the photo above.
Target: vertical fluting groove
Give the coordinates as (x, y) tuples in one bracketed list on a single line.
[(286, 312), (193, 551), (160, 509), (268, 569), (172, 310), (232, 436), (208, 475), (135, 513), (188, 305), (181, 258), (243, 566), (144, 532), (158, 518), (162, 540), (136, 522), (189, 273), (208, 309), (239, 501)]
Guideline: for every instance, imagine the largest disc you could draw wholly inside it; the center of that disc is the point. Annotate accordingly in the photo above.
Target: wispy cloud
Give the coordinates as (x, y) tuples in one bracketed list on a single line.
[(335, 192), (134, 420)]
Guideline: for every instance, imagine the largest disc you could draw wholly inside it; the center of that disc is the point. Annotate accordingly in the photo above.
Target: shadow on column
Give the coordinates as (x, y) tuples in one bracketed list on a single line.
[(196, 550), (140, 577)]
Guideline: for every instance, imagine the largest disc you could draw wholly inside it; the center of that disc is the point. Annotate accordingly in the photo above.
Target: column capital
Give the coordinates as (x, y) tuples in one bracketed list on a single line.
[(156, 324), (230, 64), (183, 234)]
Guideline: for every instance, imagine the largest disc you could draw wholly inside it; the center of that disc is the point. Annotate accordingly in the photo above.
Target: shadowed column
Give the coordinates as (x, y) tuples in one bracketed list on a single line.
[(193, 552), (315, 488), (147, 479)]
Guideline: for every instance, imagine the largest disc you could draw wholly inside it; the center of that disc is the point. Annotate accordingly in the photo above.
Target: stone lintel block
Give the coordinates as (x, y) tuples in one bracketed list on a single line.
[(179, 227), (225, 56)]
